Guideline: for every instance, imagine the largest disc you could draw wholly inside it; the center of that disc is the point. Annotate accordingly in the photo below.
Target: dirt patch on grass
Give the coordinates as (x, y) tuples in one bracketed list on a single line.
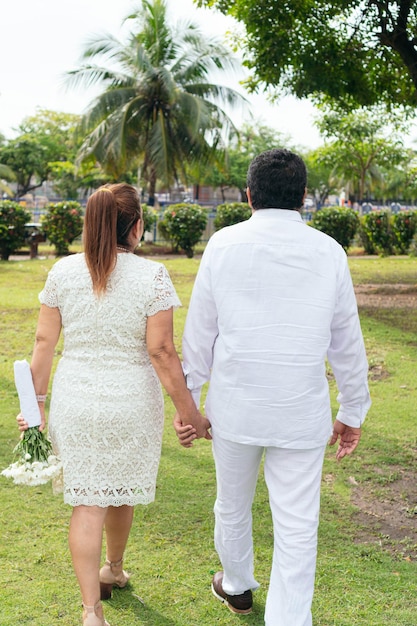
[(387, 506), (387, 513), (386, 296)]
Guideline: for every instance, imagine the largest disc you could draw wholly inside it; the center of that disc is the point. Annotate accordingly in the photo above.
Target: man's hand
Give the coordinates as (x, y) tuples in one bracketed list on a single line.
[(186, 434), (349, 439)]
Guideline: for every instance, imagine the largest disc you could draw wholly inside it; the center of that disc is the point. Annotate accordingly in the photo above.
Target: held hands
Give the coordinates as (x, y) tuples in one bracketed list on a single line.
[(349, 439), (188, 432)]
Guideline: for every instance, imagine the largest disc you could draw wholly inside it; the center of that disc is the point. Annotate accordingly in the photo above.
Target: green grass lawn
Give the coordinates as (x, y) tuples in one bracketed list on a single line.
[(367, 564)]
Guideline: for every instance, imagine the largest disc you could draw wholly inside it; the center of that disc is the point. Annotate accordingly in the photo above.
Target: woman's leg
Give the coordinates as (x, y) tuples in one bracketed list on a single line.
[(85, 542), (117, 525)]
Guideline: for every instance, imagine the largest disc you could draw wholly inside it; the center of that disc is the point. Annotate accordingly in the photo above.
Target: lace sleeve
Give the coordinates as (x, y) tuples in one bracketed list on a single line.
[(164, 295), (49, 294)]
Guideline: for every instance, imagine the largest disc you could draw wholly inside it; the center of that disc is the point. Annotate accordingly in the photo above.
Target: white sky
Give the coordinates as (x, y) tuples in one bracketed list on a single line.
[(40, 40)]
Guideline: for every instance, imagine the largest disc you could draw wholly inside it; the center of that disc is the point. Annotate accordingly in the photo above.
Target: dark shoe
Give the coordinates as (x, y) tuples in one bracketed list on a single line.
[(242, 603)]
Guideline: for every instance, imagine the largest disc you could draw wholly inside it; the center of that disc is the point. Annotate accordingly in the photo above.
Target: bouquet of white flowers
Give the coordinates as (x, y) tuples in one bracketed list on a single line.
[(36, 463)]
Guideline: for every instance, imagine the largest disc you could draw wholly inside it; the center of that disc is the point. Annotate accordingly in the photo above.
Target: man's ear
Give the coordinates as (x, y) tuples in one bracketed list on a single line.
[(249, 198), (305, 195)]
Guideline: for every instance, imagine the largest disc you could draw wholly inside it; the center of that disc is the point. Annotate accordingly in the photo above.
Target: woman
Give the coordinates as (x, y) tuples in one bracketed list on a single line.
[(106, 413)]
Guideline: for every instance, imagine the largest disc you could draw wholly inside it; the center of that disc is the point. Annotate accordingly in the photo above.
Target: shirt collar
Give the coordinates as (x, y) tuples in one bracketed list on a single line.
[(281, 214)]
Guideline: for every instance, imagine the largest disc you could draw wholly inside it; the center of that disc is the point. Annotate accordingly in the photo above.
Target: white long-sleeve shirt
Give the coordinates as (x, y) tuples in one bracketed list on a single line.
[(273, 298)]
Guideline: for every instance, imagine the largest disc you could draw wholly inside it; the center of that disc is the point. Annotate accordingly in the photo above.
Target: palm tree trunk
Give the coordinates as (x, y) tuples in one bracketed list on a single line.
[(152, 188)]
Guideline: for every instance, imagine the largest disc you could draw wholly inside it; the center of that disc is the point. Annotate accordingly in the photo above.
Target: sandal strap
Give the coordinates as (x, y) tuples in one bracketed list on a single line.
[(92, 609), (114, 563)]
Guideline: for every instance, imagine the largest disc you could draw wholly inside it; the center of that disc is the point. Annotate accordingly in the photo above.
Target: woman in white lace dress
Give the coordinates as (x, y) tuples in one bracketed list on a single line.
[(106, 413)]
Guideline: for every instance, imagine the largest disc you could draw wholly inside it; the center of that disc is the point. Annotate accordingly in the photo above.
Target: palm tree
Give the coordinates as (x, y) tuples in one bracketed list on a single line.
[(158, 111)]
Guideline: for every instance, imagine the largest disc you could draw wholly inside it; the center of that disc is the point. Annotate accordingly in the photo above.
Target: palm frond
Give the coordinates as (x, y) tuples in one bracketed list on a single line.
[(105, 45), (158, 103)]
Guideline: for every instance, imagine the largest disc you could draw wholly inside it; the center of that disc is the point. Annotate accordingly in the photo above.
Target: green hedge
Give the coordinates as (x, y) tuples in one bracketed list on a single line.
[(183, 225), (231, 213), (62, 223), (341, 223), (13, 218), (149, 218), (404, 226), (383, 233)]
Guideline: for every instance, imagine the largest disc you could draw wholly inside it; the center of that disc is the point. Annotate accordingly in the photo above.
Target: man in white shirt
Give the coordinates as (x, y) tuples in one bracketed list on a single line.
[(273, 299)]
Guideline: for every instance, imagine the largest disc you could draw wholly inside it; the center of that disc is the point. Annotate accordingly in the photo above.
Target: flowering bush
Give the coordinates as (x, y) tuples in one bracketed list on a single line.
[(376, 233), (404, 225), (183, 225), (231, 213), (62, 223), (13, 218), (341, 223)]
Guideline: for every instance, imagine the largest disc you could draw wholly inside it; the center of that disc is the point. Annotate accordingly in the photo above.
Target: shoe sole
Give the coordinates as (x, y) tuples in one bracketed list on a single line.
[(231, 608)]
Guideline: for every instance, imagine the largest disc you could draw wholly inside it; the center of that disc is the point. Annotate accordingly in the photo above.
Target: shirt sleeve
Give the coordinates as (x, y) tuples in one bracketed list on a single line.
[(49, 294), (163, 295), (347, 357), (200, 330)]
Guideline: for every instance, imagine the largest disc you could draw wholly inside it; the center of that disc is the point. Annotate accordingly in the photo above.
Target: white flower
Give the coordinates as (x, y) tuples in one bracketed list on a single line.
[(32, 474), (45, 467)]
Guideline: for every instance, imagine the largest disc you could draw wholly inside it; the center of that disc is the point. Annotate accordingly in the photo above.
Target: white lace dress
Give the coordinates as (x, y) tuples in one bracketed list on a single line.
[(106, 413)]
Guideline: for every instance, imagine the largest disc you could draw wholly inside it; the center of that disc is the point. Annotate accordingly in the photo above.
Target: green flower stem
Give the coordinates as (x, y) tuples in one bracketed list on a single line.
[(35, 444)]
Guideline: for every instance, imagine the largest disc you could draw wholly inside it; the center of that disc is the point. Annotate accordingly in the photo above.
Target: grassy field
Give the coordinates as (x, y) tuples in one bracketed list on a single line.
[(367, 559)]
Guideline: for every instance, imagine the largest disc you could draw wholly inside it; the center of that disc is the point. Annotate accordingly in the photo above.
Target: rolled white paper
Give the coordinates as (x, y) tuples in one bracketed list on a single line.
[(25, 390)]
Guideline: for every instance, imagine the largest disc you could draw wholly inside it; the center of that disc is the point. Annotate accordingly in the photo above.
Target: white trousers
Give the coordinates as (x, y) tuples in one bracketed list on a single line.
[(293, 478)]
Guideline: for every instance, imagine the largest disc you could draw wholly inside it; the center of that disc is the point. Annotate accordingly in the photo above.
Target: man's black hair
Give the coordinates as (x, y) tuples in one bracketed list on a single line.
[(277, 179)]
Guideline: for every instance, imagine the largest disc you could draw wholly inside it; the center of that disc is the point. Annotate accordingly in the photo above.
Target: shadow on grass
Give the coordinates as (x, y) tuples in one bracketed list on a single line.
[(125, 601)]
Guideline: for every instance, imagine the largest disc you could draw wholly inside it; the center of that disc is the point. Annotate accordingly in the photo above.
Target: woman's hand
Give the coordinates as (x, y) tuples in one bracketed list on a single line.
[(23, 425), (188, 433)]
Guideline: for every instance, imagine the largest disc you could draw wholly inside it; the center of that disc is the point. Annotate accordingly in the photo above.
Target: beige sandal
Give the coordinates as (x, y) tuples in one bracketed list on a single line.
[(108, 579), (90, 617)]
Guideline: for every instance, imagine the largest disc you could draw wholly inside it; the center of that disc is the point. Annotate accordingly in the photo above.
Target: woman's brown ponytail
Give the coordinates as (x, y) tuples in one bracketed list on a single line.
[(111, 213)]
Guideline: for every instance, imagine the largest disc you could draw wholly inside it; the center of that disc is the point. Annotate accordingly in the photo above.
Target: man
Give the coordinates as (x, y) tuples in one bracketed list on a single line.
[(273, 298)]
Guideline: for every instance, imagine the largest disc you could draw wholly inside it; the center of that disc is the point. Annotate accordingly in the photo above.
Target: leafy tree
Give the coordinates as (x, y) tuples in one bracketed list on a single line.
[(44, 138), (352, 51), (158, 111), (399, 180), (26, 156), (360, 144), (70, 181), (6, 174), (321, 179), (244, 145)]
